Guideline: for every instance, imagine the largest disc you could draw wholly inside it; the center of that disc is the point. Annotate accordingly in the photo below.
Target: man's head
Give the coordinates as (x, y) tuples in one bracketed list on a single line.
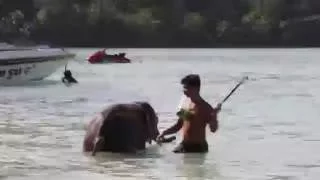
[(191, 85)]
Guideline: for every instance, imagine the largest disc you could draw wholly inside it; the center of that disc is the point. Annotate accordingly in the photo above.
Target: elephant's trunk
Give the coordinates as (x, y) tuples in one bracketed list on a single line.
[(98, 145)]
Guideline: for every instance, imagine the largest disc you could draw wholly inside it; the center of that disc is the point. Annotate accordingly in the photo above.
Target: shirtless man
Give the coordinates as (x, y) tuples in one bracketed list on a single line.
[(193, 125)]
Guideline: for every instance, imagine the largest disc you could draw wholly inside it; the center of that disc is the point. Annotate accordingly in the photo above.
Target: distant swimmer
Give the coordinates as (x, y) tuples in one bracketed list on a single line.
[(68, 78), (193, 118)]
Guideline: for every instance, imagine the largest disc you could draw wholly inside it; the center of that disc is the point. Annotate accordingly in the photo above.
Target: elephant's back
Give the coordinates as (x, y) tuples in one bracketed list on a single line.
[(123, 111)]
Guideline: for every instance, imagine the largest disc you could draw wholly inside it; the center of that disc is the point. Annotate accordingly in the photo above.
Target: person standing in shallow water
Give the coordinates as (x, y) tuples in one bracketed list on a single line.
[(193, 119)]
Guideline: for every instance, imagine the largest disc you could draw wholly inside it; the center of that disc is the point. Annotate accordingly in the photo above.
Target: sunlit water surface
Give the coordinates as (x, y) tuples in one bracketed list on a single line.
[(269, 129)]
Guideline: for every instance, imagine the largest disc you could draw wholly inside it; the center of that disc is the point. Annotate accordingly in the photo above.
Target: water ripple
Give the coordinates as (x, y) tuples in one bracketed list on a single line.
[(289, 134), (282, 177), (304, 166), (270, 121)]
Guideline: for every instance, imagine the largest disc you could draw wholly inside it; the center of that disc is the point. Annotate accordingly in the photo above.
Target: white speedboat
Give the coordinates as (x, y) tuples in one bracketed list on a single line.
[(21, 64)]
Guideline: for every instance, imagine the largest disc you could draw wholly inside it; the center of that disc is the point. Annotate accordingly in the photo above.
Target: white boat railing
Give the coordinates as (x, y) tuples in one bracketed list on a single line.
[(9, 47)]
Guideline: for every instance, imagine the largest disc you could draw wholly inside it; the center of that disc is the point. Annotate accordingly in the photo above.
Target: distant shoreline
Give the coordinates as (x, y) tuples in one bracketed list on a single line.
[(146, 46), (188, 47)]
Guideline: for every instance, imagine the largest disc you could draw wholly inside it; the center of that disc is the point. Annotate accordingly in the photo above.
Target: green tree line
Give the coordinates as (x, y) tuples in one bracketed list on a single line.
[(165, 23)]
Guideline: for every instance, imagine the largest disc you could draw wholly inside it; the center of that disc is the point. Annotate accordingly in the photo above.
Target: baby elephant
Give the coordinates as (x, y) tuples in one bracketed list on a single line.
[(123, 127)]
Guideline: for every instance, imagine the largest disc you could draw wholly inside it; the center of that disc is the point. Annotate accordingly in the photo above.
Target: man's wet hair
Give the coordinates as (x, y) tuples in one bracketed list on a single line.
[(191, 80)]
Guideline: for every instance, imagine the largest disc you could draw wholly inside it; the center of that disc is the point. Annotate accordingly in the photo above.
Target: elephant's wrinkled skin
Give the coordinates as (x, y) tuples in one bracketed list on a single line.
[(124, 127)]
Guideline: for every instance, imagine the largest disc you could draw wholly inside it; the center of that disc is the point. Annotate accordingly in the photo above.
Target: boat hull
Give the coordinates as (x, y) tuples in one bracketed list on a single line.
[(107, 60), (30, 71)]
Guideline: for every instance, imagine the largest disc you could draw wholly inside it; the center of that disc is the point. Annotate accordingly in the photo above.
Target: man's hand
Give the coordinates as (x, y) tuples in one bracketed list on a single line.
[(218, 107), (160, 139)]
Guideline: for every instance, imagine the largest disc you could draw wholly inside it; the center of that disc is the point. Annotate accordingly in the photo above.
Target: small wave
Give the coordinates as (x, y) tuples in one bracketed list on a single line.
[(272, 77), (6, 101), (63, 102), (289, 134), (43, 83), (44, 145), (283, 95), (282, 77), (256, 137), (284, 124), (282, 177), (304, 166), (312, 140), (256, 126), (43, 100), (316, 78)]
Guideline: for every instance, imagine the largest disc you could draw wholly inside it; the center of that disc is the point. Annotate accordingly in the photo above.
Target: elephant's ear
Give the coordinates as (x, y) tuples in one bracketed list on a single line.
[(106, 116), (101, 129), (151, 122)]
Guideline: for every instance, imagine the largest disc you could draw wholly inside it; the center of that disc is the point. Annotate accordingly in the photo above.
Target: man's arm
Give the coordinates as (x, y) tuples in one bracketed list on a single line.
[(173, 129), (213, 123), (213, 120)]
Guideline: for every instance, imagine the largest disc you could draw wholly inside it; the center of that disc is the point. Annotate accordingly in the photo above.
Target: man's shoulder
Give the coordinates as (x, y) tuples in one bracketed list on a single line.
[(206, 105)]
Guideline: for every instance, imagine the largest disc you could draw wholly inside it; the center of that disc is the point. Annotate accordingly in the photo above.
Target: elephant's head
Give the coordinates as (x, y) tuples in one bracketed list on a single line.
[(127, 126), (151, 121)]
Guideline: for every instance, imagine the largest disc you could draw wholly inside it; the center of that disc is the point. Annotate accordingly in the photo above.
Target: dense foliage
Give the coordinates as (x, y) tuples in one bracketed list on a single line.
[(165, 23)]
